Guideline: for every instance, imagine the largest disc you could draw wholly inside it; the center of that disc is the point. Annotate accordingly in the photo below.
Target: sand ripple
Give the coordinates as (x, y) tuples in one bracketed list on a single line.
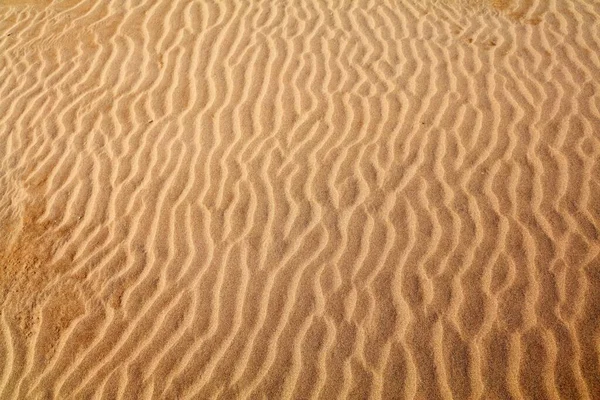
[(300, 199)]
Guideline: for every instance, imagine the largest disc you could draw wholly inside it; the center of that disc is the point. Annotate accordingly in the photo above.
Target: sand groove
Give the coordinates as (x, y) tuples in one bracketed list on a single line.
[(301, 199)]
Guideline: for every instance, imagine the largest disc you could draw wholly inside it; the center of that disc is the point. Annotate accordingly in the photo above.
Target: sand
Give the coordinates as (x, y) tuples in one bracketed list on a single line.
[(299, 199)]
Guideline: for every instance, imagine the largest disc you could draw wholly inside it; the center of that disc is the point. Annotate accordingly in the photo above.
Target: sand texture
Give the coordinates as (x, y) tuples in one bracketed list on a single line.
[(273, 199)]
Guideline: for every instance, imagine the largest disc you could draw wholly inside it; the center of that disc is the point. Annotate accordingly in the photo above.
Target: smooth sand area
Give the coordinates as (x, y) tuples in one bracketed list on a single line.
[(294, 199)]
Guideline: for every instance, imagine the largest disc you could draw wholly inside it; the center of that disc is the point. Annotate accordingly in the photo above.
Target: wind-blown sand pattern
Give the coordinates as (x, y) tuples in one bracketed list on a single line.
[(299, 199)]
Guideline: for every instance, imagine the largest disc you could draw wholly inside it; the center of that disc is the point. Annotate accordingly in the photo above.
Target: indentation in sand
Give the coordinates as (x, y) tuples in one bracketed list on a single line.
[(28, 243)]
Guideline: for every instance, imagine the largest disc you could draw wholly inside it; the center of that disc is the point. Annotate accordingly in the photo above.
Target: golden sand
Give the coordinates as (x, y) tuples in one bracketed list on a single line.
[(299, 199)]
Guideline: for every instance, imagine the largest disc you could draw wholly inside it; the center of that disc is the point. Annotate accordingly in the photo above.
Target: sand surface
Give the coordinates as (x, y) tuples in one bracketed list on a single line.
[(299, 199)]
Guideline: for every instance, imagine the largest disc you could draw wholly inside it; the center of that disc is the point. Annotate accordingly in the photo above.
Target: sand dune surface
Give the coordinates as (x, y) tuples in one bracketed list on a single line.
[(299, 199)]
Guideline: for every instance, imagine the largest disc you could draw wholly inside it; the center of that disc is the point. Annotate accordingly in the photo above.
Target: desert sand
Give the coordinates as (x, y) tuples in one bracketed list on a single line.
[(299, 199)]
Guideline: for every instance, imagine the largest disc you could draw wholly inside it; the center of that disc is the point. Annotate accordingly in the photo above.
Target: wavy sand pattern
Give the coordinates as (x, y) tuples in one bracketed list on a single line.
[(300, 199)]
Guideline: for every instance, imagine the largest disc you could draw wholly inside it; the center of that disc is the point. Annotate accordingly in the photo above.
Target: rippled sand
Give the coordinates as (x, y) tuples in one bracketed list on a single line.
[(299, 199)]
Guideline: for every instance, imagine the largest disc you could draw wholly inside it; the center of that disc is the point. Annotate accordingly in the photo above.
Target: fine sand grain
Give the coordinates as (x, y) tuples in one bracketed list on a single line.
[(299, 199)]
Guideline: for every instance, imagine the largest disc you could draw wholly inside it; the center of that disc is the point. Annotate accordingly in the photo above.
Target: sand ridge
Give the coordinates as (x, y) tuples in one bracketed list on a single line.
[(301, 199)]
